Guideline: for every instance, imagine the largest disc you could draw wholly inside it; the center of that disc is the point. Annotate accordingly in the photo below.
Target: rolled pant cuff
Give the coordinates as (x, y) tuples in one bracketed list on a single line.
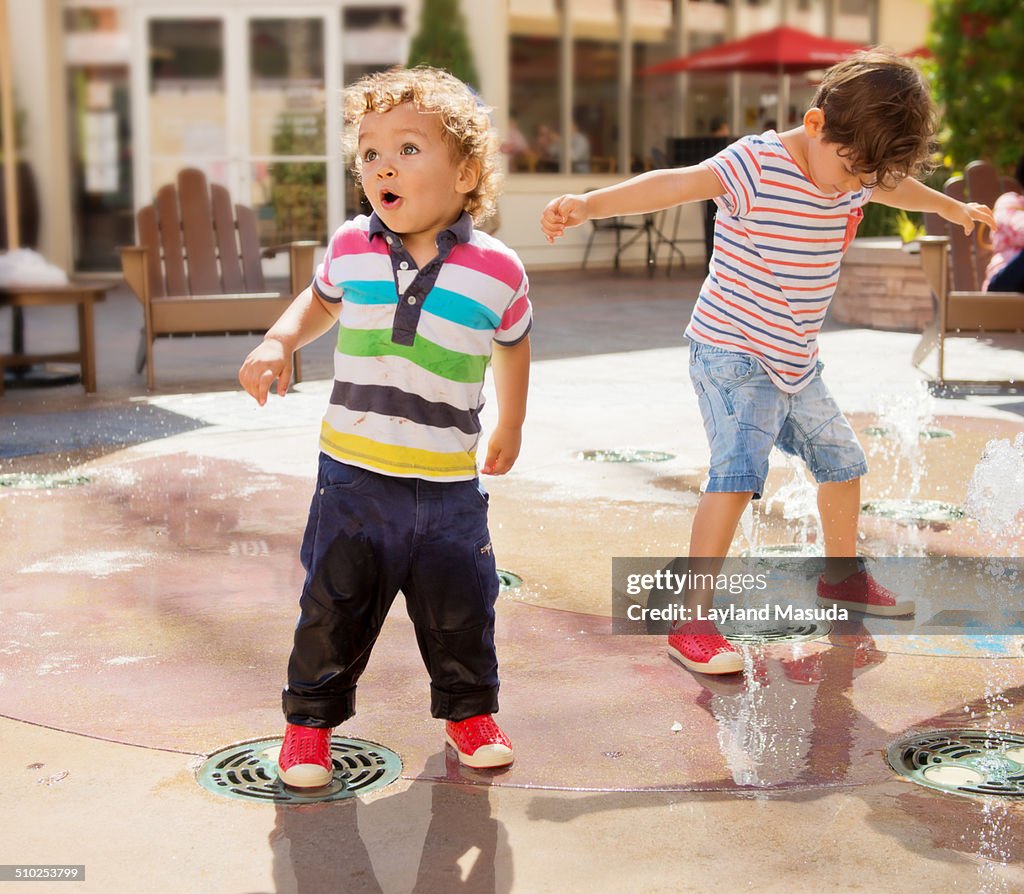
[(735, 484), (322, 713), (838, 476), (460, 705)]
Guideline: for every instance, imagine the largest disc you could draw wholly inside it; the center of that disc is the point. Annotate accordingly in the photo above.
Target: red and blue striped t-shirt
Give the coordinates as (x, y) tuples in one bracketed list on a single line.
[(778, 244)]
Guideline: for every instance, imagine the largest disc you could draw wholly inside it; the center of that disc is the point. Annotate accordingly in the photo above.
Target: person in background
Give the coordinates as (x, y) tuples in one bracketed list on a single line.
[(1005, 271), (579, 149), (547, 143)]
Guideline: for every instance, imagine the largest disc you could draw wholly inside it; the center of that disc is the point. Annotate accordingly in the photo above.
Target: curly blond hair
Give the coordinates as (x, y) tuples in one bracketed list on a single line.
[(465, 122)]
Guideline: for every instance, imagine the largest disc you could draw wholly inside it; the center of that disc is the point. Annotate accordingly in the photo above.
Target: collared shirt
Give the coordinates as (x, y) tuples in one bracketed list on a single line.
[(779, 241), (414, 345), (413, 284)]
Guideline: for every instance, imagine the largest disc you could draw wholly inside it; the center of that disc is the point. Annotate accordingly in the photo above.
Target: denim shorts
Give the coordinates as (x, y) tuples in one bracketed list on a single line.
[(746, 414)]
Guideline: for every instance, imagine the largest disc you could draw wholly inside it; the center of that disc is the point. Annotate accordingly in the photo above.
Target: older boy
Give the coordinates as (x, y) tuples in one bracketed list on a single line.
[(789, 205), (422, 299)]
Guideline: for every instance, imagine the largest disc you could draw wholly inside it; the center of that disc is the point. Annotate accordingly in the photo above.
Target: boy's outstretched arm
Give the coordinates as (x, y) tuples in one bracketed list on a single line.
[(304, 320), (912, 195), (511, 367), (642, 194)]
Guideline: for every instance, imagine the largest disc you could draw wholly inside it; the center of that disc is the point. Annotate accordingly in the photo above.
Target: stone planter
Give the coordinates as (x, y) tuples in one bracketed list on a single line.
[(882, 286)]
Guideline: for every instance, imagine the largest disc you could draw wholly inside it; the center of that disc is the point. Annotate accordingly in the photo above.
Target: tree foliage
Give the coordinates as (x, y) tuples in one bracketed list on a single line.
[(442, 41), (978, 77)]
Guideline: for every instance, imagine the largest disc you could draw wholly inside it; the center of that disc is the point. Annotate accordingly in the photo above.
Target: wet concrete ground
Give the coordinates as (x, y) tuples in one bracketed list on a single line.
[(146, 609)]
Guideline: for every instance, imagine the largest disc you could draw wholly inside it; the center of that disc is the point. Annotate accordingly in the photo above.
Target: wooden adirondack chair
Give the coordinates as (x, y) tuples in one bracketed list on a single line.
[(954, 265), (197, 268)]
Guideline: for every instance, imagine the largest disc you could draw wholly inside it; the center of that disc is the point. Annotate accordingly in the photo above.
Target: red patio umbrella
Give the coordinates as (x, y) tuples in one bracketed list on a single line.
[(781, 51)]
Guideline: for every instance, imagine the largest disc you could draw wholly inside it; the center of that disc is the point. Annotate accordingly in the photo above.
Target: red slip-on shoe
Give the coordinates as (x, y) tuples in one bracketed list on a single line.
[(479, 742), (305, 758), (699, 646), (860, 592)]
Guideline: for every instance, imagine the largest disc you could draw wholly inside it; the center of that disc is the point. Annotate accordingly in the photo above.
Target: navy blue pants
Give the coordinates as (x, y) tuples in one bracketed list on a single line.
[(1010, 278), (369, 536)]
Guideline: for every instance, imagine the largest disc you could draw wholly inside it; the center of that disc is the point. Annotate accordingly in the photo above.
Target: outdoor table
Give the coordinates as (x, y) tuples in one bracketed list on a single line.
[(82, 295)]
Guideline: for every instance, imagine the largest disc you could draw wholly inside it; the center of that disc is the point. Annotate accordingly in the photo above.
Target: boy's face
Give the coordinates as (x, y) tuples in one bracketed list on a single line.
[(829, 167), (409, 173)]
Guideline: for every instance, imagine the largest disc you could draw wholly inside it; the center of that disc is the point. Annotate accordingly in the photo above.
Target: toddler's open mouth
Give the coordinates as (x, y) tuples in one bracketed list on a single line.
[(389, 199)]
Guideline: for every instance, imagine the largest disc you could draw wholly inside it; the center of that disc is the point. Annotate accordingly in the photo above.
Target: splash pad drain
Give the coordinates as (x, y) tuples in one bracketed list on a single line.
[(39, 481), (508, 580), (962, 761), (747, 634), (624, 455), (920, 512), (248, 771), (925, 434)]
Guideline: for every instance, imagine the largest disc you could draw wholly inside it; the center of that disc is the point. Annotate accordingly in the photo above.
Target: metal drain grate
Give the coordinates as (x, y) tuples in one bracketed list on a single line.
[(507, 580), (926, 434), (962, 761), (39, 481), (913, 511), (749, 634), (624, 455), (249, 771)]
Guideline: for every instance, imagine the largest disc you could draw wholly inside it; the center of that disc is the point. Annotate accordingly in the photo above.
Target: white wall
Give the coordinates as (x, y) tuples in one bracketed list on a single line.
[(903, 24)]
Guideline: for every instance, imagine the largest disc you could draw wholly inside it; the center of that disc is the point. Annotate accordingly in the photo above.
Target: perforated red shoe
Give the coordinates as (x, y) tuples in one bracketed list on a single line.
[(699, 646), (305, 758), (860, 592), (479, 742)]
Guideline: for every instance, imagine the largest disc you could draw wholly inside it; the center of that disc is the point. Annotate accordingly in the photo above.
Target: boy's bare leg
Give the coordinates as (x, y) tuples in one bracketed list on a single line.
[(839, 506), (714, 525)]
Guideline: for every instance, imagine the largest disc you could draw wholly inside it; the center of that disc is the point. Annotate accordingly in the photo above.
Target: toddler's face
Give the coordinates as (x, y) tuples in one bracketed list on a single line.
[(410, 174), (831, 168)]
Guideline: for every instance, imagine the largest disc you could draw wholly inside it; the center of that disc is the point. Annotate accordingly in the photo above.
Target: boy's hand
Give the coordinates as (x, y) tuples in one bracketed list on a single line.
[(502, 449), (565, 211), (267, 361), (967, 213)]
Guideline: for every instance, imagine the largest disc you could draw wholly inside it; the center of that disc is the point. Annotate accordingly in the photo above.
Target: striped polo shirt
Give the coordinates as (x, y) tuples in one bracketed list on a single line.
[(414, 345), (775, 265)]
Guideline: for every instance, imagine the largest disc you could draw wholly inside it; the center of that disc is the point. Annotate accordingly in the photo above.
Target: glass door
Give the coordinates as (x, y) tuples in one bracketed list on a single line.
[(97, 54), (243, 97)]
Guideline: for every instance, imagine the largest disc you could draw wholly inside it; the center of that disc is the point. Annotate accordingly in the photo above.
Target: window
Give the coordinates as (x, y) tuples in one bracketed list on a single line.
[(594, 138), (96, 54), (534, 143), (374, 39), (287, 98)]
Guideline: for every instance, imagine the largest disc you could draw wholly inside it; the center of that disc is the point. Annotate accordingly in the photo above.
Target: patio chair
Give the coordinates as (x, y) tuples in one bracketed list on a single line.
[(197, 268), (618, 226), (954, 266)]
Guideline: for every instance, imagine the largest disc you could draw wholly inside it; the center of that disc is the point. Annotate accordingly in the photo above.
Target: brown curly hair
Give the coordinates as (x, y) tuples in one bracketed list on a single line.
[(465, 122), (878, 109)]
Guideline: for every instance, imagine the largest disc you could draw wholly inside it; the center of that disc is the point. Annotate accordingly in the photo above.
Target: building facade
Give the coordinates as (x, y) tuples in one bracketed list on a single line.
[(117, 95)]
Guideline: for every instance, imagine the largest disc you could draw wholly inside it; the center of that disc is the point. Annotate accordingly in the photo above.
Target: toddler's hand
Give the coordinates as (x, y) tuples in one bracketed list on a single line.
[(267, 361), (565, 211), (969, 212), (502, 450)]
